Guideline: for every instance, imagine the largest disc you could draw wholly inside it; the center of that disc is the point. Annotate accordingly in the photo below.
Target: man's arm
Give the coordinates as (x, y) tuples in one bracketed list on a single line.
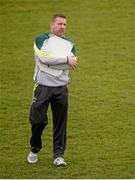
[(48, 58), (71, 64)]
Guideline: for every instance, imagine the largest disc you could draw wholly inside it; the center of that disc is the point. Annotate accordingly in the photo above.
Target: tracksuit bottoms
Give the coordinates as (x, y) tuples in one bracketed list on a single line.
[(57, 97)]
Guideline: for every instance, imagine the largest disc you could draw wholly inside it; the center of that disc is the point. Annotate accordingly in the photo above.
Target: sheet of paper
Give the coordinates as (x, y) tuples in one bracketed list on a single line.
[(58, 46)]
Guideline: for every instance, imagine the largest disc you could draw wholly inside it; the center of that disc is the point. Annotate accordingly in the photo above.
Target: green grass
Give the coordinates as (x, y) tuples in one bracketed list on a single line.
[(101, 127)]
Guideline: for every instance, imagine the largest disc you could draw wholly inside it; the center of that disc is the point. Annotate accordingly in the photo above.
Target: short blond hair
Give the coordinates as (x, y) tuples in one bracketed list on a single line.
[(57, 15)]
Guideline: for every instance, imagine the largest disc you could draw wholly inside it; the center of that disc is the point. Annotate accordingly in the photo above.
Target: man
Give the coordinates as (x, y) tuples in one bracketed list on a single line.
[(54, 57)]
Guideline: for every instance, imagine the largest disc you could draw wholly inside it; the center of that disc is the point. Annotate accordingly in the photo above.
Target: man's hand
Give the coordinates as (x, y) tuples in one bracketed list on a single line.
[(72, 61)]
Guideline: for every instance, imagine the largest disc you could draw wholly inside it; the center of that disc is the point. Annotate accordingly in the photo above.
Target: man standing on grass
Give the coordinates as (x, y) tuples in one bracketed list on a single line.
[(54, 57)]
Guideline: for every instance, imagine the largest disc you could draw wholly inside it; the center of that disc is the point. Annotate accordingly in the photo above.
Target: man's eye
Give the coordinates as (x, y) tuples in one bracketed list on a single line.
[(62, 24)]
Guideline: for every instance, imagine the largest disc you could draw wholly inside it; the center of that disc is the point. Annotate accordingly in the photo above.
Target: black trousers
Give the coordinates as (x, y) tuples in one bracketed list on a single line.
[(57, 97)]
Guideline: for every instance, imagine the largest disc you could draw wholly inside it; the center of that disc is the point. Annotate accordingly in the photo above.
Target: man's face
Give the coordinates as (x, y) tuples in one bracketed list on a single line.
[(58, 26)]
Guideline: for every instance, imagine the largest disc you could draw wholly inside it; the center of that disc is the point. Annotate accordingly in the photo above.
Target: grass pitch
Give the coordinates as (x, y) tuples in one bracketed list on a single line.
[(101, 127)]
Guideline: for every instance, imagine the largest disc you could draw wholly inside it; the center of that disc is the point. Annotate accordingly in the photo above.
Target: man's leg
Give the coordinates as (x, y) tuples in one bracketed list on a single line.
[(35, 140), (59, 105), (38, 117)]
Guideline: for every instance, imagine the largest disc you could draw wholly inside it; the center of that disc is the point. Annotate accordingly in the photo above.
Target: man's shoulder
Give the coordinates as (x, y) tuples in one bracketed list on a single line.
[(73, 45), (40, 39)]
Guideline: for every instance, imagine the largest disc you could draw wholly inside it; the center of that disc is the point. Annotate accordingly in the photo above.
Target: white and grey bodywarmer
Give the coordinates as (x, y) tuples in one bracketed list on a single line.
[(50, 52)]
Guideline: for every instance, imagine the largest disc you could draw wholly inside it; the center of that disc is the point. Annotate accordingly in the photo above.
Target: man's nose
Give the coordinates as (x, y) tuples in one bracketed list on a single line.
[(63, 26)]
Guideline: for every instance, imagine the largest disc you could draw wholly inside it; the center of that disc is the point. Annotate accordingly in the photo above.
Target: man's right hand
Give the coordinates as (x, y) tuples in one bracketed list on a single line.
[(72, 61)]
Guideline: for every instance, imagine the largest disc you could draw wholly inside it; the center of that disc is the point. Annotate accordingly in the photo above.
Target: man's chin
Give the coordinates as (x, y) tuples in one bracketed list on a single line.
[(60, 34)]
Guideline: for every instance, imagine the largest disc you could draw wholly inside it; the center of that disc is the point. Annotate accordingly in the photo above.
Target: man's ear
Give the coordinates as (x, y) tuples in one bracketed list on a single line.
[(51, 24)]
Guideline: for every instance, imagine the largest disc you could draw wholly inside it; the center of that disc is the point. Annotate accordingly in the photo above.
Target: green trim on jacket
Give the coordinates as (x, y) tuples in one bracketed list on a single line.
[(40, 40)]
